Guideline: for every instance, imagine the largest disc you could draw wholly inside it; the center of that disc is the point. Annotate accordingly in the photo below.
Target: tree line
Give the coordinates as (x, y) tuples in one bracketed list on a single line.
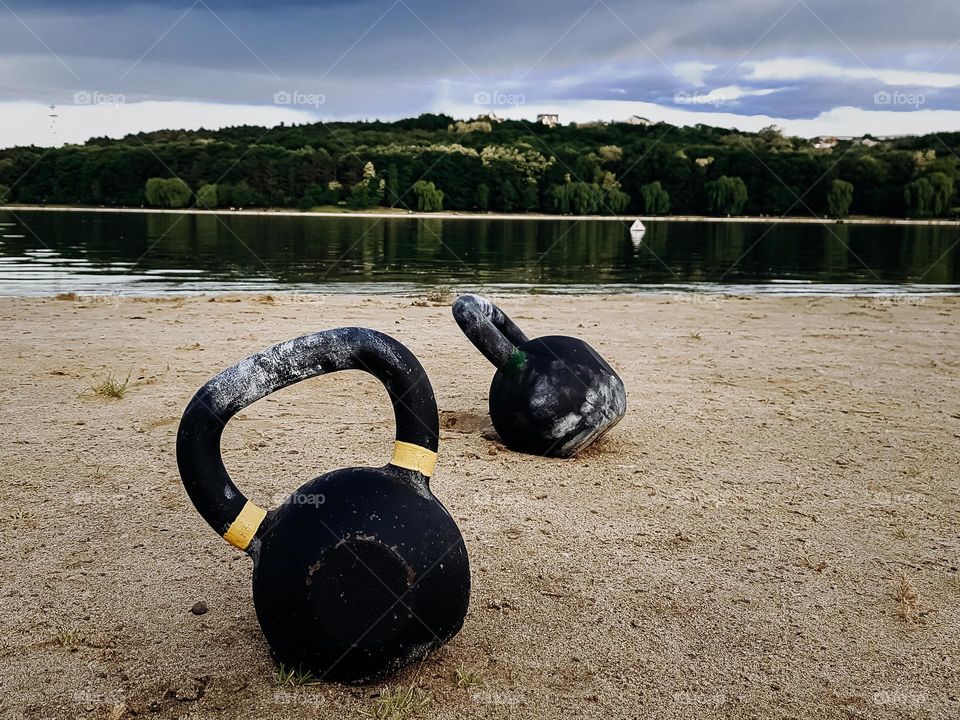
[(434, 162)]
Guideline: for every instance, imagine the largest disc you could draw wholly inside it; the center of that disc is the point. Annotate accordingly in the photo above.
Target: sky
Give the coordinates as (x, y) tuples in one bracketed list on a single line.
[(75, 69)]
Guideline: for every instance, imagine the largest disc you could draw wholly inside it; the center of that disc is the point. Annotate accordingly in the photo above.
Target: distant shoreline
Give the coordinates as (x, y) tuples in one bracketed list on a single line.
[(385, 214)]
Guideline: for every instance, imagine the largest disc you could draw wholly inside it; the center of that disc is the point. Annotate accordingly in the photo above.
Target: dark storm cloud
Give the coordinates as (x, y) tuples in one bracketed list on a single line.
[(119, 5), (886, 30), (387, 57)]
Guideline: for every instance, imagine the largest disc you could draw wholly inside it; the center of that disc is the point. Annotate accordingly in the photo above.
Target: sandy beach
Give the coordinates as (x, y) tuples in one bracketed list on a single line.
[(384, 213), (771, 532)]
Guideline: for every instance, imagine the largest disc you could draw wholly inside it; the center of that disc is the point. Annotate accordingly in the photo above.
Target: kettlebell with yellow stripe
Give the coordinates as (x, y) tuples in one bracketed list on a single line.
[(361, 570)]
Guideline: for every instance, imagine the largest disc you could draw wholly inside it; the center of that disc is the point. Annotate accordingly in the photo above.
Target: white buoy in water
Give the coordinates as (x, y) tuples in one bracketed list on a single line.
[(636, 232), (637, 226)]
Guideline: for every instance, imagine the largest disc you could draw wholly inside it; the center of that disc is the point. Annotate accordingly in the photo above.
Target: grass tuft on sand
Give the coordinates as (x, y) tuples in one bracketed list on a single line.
[(399, 702), (438, 296), (907, 599), (69, 638), (110, 388), (465, 677), (293, 677)]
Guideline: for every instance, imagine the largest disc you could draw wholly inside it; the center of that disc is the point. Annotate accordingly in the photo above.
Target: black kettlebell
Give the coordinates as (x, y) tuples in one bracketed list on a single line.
[(361, 570), (552, 395)]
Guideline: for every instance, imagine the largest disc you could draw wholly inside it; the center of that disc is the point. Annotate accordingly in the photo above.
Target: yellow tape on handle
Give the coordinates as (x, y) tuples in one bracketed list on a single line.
[(242, 530), (414, 457)]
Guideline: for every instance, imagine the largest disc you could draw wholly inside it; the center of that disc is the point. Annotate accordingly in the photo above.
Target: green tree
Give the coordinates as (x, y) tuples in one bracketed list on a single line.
[(240, 195), (374, 185), (531, 195), (579, 198), (614, 157), (312, 196), (350, 169), (942, 186), (586, 198), (167, 193), (330, 194), (508, 196), (360, 196), (616, 201), (562, 197), (393, 185), (610, 153), (839, 199), (656, 200), (428, 121), (918, 197), (483, 197), (726, 195), (207, 196), (429, 198), (316, 195), (155, 192)]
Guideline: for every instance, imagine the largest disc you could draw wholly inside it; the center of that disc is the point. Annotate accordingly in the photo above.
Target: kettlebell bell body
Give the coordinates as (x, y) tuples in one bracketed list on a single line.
[(550, 396), (361, 570)]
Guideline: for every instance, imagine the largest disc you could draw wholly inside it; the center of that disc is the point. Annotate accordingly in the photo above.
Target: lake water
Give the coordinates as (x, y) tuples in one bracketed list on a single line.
[(47, 252)]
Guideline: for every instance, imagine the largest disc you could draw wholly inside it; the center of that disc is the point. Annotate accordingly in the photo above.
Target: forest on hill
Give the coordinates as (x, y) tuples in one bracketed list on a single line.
[(434, 162)]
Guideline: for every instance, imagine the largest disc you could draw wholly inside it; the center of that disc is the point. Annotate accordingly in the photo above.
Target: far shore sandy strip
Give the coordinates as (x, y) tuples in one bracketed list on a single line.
[(489, 216)]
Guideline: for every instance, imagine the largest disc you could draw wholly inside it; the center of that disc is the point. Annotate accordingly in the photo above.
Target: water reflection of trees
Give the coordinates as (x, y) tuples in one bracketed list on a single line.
[(308, 249)]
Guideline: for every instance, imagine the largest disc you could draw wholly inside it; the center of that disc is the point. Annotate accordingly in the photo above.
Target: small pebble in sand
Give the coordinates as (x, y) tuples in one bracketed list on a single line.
[(199, 608)]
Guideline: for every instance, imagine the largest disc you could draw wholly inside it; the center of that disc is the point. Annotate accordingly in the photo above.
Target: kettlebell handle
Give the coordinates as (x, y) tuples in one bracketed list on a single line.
[(491, 331), (201, 466)]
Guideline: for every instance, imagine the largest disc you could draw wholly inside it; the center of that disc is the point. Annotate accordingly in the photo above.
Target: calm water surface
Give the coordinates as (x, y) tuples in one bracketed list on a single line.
[(45, 252)]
